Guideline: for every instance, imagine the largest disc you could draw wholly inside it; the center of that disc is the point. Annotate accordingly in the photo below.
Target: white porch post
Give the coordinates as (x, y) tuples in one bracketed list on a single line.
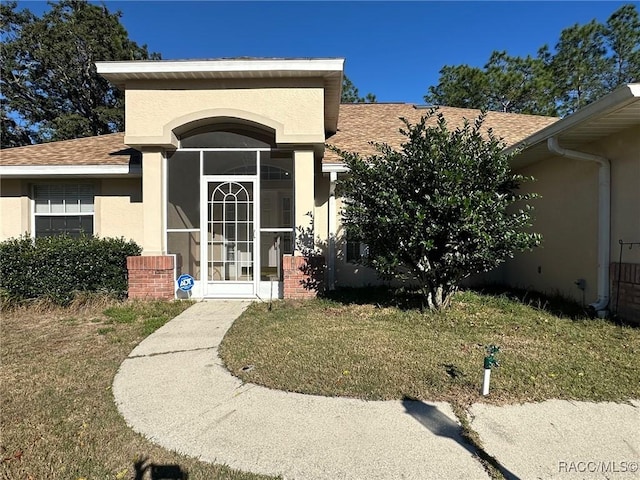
[(304, 200), (152, 202)]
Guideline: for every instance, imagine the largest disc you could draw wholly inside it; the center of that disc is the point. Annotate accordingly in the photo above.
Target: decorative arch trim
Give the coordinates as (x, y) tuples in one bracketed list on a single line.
[(195, 120)]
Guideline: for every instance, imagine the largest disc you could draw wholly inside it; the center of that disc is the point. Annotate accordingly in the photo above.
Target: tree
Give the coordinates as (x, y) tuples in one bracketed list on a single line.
[(622, 36), (437, 210), (50, 88), (518, 85), (350, 93), (589, 61), (579, 66), (460, 86)]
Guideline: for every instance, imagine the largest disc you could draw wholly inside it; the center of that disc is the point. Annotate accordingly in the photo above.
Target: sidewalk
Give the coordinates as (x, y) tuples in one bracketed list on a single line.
[(174, 390)]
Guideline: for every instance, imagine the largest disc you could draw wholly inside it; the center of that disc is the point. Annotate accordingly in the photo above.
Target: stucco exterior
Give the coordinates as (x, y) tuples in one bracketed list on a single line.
[(117, 206), (287, 110), (566, 214), (119, 209), (156, 111), (14, 208)]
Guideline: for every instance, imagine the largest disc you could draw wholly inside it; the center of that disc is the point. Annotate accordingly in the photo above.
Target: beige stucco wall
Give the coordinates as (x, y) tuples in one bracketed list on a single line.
[(321, 211), (118, 209), (567, 217), (155, 109), (350, 274), (304, 211), (14, 208), (153, 203), (117, 206), (624, 150)]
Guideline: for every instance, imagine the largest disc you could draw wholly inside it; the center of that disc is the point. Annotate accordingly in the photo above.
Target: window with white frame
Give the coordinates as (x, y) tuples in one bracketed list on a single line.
[(63, 208)]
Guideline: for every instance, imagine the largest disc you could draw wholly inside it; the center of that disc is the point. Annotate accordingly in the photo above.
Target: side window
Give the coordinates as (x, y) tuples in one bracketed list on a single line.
[(356, 250), (63, 208)]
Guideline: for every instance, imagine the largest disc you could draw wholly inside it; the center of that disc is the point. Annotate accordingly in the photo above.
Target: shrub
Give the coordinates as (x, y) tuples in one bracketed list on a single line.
[(439, 209), (58, 267)]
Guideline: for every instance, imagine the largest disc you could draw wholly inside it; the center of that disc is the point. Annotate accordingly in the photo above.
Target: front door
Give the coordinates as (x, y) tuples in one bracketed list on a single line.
[(231, 238)]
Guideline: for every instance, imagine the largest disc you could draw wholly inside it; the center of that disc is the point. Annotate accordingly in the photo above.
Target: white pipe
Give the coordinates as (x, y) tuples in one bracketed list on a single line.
[(604, 216), (485, 382), (331, 261)]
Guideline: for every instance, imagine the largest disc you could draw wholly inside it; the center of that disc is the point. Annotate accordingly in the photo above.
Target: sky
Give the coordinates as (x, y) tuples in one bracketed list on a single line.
[(392, 49)]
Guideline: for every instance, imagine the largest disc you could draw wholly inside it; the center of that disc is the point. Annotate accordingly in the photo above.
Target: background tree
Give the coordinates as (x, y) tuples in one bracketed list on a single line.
[(460, 86), (580, 66), (50, 88), (588, 61), (622, 36), (437, 210), (350, 93), (516, 84)]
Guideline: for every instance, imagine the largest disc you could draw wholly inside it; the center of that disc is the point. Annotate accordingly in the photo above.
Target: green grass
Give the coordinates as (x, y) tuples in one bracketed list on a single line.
[(349, 347), (58, 417)]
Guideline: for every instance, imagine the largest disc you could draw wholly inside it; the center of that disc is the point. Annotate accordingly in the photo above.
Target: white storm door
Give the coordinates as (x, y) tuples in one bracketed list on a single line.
[(231, 238)]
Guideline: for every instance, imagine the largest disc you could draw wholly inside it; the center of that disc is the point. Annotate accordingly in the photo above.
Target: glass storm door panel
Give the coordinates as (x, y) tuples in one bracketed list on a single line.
[(231, 238)]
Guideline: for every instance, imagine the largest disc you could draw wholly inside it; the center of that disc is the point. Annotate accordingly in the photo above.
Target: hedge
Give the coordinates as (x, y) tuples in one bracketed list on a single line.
[(57, 267)]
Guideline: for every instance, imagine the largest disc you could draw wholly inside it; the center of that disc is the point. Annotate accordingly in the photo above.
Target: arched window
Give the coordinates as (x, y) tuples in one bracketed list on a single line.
[(227, 136)]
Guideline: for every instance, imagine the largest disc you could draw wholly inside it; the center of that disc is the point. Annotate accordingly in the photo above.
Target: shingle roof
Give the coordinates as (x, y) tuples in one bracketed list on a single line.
[(99, 150), (361, 123), (358, 124)]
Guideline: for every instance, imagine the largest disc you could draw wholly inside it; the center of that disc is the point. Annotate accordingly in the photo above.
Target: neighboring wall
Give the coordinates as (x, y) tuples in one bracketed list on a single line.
[(567, 218)]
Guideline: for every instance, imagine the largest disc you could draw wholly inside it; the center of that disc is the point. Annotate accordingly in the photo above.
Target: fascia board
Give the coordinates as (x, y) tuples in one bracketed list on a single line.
[(616, 99), (66, 170)]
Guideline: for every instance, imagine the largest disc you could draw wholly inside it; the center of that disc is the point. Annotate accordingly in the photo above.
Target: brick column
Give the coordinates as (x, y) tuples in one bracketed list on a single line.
[(151, 277), (628, 298), (303, 276)]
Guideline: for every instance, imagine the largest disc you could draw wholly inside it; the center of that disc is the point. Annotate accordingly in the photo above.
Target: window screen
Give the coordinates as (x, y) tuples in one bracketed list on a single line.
[(63, 208)]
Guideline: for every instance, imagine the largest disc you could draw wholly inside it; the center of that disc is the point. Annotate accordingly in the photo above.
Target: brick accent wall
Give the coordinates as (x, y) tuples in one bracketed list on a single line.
[(628, 302), (151, 277), (303, 276)]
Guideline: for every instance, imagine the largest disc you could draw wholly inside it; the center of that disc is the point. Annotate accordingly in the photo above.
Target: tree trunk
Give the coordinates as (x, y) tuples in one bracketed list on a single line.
[(438, 297)]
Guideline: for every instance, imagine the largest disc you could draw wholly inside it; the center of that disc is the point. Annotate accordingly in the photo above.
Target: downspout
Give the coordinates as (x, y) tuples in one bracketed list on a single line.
[(331, 261), (604, 217)]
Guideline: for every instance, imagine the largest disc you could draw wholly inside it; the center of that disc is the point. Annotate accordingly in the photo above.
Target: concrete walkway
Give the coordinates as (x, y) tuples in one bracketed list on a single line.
[(174, 390)]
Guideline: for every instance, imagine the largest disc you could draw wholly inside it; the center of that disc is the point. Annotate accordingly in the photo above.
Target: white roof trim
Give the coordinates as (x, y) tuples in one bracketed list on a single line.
[(614, 100), (225, 65), (334, 167), (81, 170)]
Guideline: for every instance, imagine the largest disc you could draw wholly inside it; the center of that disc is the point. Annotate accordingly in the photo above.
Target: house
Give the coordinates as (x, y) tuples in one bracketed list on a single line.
[(222, 173), (587, 171)]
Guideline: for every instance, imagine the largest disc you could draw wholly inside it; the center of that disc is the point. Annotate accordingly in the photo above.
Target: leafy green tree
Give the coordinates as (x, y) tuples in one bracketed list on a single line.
[(579, 66), (50, 88), (518, 85), (350, 93), (622, 36), (437, 210), (588, 61), (460, 86)]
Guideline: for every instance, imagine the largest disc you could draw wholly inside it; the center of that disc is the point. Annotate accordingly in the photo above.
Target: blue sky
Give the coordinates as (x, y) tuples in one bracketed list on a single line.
[(392, 49)]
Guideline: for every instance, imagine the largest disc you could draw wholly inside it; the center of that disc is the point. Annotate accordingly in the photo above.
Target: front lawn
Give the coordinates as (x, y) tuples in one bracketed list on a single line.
[(58, 417), (375, 351)]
